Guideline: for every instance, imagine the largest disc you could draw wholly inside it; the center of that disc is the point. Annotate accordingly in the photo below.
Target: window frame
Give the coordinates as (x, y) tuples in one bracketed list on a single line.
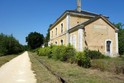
[(111, 47)]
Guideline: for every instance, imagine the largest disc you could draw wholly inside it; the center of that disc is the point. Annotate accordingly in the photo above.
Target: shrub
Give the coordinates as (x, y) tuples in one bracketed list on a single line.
[(58, 52), (94, 54), (62, 53), (69, 54), (83, 60), (44, 51)]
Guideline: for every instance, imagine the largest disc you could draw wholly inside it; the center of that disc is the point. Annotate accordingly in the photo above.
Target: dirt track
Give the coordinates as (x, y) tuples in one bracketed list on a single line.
[(17, 70)]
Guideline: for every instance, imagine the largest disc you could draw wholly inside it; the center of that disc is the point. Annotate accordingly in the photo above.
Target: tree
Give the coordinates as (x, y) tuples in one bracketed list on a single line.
[(120, 37), (35, 40), (47, 38), (119, 26), (9, 45)]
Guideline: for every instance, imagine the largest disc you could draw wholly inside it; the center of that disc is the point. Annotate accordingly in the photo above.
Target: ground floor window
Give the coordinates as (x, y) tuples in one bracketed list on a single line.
[(62, 42), (73, 40), (108, 46), (56, 43)]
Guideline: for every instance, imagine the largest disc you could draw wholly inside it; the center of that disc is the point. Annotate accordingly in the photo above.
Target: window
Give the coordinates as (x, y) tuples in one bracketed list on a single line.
[(56, 43), (73, 40), (62, 28), (108, 46), (52, 34), (62, 42), (56, 31)]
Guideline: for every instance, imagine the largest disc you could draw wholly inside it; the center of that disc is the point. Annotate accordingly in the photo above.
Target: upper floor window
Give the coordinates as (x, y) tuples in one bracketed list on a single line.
[(52, 34), (62, 28), (56, 31)]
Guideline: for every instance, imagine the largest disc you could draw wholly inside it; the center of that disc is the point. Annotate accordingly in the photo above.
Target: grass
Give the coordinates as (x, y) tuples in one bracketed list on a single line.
[(75, 74), (5, 59), (115, 65), (42, 74)]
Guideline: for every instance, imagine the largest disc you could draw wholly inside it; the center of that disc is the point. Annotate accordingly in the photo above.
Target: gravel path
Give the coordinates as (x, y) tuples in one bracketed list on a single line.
[(17, 70)]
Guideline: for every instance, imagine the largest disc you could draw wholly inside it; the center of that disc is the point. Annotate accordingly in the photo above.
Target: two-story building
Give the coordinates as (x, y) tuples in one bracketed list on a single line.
[(84, 29)]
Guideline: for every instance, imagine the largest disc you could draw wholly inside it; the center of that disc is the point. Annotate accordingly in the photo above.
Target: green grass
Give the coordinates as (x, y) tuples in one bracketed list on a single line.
[(75, 74), (5, 59)]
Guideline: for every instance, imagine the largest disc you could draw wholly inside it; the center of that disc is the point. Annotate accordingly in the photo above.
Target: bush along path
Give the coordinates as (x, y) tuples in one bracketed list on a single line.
[(18, 70), (43, 71)]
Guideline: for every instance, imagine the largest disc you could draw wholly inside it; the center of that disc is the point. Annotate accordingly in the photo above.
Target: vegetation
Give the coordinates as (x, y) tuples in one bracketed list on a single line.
[(94, 54), (34, 40), (46, 40), (69, 54), (83, 60), (62, 53), (5, 59), (9, 45), (115, 65), (120, 37), (72, 73), (42, 74)]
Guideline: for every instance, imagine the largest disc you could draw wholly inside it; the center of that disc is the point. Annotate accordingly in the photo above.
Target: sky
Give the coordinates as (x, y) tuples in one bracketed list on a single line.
[(20, 17)]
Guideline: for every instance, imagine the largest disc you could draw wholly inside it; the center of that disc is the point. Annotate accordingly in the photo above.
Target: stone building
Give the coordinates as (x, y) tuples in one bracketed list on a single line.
[(84, 29)]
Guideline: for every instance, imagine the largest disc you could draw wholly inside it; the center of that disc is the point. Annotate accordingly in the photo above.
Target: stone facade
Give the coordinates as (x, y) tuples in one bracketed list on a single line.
[(85, 30)]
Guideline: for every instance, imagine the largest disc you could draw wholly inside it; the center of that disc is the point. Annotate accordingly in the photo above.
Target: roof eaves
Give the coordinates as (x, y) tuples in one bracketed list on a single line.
[(84, 23), (116, 29), (75, 27), (64, 14), (100, 16), (91, 20), (79, 14)]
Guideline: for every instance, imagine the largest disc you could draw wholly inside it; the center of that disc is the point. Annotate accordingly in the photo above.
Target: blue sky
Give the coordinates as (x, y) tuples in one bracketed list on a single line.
[(20, 17)]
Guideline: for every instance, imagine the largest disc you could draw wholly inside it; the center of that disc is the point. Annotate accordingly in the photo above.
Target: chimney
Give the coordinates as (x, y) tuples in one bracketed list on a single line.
[(79, 5)]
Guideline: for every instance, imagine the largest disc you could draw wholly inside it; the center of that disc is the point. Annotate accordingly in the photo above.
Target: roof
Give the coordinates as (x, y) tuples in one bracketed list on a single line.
[(75, 12), (92, 20), (83, 12)]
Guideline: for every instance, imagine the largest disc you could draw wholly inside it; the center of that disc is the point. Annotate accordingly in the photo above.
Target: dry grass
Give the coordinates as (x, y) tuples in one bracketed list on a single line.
[(5, 59), (75, 74), (42, 74), (115, 65)]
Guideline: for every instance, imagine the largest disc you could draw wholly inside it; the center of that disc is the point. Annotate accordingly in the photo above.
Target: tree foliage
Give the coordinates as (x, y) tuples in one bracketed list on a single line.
[(120, 37), (9, 45), (35, 40), (47, 38)]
